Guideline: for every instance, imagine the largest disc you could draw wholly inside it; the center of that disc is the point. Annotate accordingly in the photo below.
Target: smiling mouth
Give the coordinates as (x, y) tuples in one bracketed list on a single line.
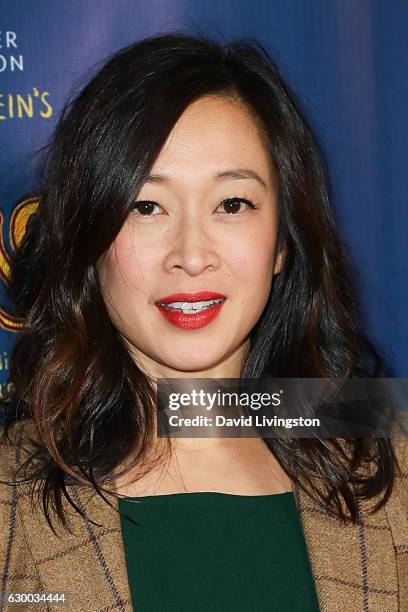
[(191, 307)]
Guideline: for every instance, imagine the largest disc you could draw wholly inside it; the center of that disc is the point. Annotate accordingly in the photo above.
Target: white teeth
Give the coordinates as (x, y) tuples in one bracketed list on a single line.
[(191, 307)]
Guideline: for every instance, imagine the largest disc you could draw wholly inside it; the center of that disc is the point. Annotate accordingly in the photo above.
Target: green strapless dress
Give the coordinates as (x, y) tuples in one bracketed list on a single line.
[(216, 552)]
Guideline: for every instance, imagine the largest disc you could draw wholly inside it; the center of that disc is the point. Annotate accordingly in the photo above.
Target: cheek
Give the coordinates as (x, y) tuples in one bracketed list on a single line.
[(127, 269), (252, 261), (252, 264)]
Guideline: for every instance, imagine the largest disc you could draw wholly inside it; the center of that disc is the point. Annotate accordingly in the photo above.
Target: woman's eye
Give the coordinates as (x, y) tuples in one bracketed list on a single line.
[(236, 205), (146, 208), (233, 205)]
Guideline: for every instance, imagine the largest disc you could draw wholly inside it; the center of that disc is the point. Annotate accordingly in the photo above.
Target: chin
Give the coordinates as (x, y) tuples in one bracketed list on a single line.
[(193, 366), (193, 362)]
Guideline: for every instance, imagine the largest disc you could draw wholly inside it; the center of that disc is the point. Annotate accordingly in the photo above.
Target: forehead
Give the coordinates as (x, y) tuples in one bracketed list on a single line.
[(214, 133)]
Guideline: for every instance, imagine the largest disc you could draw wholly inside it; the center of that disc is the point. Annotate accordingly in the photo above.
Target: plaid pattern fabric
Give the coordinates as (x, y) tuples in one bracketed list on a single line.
[(361, 567)]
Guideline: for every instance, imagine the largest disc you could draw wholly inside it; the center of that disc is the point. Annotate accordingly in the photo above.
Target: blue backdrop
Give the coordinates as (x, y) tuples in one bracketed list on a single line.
[(346, 60)]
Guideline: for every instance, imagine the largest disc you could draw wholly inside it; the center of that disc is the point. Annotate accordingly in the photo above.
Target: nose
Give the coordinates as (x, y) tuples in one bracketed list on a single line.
[(191, 248)]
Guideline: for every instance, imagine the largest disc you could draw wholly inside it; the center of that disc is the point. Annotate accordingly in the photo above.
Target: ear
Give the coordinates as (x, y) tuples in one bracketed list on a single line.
[(280, 259)]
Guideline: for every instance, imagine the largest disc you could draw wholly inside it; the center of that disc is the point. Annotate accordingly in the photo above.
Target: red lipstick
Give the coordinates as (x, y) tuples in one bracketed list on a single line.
[(172, 306)]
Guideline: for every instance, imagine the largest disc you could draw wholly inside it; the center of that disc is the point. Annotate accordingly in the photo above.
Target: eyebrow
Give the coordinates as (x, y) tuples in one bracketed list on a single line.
[(233, 173)]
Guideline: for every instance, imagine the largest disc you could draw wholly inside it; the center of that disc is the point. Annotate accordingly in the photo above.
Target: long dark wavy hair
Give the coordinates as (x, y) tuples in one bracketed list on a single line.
[(72, 374)]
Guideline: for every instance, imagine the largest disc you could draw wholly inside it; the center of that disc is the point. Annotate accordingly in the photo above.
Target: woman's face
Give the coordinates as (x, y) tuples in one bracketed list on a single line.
[(193, 229)]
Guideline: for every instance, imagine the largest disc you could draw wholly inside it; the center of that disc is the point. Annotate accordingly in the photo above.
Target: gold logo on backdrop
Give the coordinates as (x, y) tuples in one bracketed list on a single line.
[(18, 223)]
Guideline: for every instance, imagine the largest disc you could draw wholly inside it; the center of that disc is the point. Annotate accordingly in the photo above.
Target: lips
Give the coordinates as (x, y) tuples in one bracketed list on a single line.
[(189, 320)]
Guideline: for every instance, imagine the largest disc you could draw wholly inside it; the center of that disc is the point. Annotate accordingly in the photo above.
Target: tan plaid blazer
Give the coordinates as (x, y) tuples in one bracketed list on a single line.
[(362, 567)]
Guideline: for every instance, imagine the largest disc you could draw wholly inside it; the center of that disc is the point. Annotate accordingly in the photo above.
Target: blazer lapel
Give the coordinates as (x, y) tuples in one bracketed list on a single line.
[(353, 566), (88, 564)]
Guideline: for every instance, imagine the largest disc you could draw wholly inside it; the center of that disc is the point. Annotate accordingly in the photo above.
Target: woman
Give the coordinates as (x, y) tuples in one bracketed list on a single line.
[(187, 168)]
